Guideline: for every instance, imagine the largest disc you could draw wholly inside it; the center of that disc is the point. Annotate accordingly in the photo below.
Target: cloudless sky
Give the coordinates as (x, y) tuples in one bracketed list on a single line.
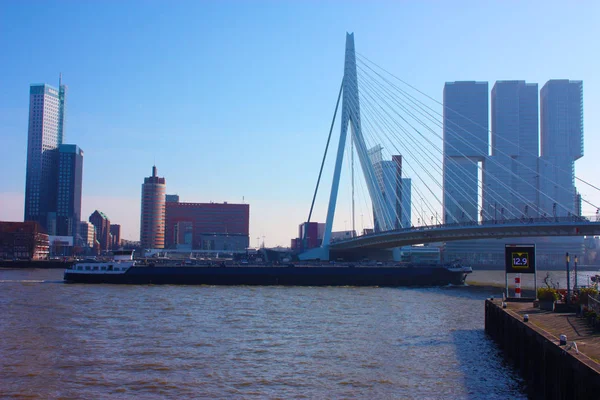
[(233, 99)]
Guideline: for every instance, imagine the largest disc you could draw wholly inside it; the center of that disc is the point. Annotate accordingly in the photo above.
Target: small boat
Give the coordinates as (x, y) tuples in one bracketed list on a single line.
[(122, 260)]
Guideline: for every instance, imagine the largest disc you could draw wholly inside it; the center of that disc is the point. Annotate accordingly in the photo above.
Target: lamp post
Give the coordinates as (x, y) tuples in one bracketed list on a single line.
[(575, 270), (568, 281)]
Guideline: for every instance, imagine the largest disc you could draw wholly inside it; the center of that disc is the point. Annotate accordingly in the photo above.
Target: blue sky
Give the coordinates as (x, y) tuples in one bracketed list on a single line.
[(233, 99)]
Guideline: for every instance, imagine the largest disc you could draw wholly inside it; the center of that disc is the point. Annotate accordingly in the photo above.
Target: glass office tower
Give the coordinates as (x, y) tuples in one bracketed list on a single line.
[(465, 147), (45, 135), (68, 201)]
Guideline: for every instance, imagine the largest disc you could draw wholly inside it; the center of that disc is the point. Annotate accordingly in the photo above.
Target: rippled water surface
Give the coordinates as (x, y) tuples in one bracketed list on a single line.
[(109, 341)]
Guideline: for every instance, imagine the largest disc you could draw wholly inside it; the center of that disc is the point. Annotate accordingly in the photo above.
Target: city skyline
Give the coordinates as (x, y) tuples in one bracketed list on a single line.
[(147, 106)]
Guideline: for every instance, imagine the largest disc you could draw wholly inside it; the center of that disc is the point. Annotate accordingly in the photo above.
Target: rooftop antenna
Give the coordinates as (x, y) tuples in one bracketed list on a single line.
[(59, 79)]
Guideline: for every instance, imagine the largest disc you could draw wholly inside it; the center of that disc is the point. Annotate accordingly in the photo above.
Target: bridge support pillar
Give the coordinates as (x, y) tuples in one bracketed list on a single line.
[(318, 253), (397, 253)]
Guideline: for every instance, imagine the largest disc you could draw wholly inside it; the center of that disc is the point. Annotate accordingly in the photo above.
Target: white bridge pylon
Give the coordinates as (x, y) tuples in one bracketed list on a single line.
[(350, 118)]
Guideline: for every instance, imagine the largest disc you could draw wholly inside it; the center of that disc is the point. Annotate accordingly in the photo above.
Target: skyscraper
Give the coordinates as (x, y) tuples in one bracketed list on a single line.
[(87, 234), (465, 146), (68, 202), (45, 134), (407, 203), (102, 226), (510, 178), (115, 236), (394, 210), (152, 224), (561, 103), (562, 118)]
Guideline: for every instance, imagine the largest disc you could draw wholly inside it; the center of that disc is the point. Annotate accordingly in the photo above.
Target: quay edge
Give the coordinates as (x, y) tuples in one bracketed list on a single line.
[(549, 370)]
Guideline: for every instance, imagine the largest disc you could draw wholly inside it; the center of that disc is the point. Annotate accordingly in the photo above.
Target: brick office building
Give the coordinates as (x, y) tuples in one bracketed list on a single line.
[(207, 226)]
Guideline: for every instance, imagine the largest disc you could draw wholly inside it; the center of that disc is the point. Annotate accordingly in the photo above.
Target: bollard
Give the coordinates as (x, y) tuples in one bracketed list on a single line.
[(526, 318), (563, 340)]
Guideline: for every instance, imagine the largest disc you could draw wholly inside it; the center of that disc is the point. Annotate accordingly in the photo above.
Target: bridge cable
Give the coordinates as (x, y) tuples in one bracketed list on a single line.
[(324, 155), (432, 163), (491, 158), (477, 124), (428, 128), (367, 109)]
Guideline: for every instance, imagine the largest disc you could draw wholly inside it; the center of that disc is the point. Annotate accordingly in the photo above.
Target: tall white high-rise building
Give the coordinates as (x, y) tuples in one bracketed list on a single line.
[(396, 208), (511, 178), (152, 224), (465, 147), (45, 135), (561, 119)]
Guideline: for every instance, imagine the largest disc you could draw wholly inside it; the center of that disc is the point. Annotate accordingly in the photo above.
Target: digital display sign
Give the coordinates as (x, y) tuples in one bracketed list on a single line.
[(520, 258)]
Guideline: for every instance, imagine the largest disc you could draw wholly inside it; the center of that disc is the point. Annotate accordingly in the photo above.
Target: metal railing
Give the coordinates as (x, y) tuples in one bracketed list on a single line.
[(594, 304)]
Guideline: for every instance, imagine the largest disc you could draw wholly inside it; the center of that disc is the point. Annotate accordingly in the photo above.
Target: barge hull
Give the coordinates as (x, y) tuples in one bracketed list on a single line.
[(285, 276)]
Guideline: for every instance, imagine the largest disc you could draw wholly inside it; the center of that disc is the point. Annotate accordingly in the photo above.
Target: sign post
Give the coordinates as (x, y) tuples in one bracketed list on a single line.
[(519, 259)]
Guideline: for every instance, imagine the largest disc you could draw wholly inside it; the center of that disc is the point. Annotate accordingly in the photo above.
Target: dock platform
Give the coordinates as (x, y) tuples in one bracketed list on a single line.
[(552, 370)]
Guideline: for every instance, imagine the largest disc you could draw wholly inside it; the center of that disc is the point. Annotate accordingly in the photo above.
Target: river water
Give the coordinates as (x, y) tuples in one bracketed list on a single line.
[(108, 341)]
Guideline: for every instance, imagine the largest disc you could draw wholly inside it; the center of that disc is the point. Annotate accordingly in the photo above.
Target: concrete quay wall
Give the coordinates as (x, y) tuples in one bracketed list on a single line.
[(550, 371)]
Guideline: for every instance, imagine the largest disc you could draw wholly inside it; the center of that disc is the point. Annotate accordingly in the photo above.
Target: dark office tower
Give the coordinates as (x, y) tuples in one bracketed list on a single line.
[(172, 198), (102, 225), (45, 134), (561, 117), (68, 201), (465, 146), (115, 234), (514, 159), (152, 224)]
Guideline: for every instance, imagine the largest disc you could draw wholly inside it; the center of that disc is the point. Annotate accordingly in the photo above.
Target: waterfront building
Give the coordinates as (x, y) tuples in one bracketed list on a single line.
[(465, 147), (23, 241), (310, 235), (561, 103), (510, 177), (87, 234), (381, 211), (60, 246), (45, 135), (520, 182), (407, 203), (115, 236), (68, 201), (102, 227), (152, 224), (207, 226), (395, 198), (172, 198)]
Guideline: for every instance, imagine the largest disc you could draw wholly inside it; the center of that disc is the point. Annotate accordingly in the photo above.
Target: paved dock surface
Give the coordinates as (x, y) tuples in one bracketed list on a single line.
[(553, 324)]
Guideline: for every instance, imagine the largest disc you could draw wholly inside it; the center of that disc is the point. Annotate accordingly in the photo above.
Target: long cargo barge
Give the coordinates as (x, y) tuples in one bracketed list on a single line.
[(267, 275), (126, 271)]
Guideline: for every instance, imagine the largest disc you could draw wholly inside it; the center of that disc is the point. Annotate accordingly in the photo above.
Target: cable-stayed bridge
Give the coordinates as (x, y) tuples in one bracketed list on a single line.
[(427, 174)]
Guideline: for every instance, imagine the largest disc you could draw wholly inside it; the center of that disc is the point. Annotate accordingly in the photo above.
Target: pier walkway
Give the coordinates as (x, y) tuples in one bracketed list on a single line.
[(553, 324)]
